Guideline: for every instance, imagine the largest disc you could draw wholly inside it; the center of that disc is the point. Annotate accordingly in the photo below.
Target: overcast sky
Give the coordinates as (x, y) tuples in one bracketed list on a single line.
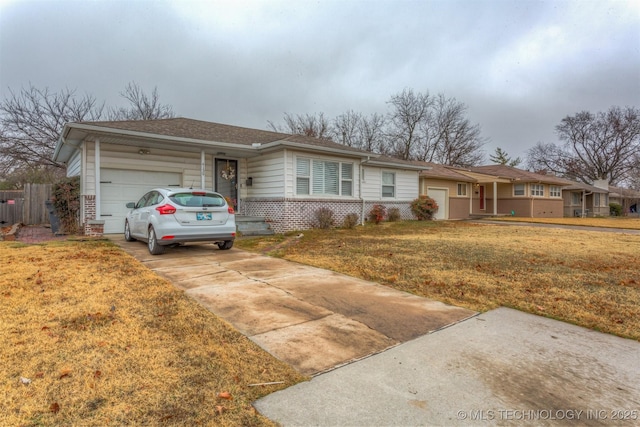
[(519, 66)]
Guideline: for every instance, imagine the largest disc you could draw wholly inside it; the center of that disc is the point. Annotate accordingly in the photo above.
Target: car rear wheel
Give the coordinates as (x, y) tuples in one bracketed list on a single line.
[(152, 243), (127, 233), (227, 244)]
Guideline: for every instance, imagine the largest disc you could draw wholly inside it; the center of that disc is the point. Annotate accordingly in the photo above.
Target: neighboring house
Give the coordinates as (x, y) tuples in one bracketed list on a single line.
[(492, 190), (584, 200), (451, 190), (283, 178), (505, 190), (625, 197)]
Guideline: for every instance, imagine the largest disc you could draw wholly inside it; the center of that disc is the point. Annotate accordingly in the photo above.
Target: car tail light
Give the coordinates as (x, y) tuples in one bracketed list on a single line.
[(166, 209), (198, 193), (231, 211), (168, 237)]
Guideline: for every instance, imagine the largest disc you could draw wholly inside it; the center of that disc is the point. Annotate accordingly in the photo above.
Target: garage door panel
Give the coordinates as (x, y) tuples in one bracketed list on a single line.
[(440, 196), (119, 187)]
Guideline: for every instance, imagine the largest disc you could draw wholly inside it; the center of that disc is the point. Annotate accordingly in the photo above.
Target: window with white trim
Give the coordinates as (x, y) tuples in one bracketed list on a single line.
[(596, 199), (518, 189), (388, 184), (323, 177), (537, 190), (462, 189), (555, 191)]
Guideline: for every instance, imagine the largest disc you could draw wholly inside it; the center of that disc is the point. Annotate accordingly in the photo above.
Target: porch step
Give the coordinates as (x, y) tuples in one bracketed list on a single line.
[(253, 226)]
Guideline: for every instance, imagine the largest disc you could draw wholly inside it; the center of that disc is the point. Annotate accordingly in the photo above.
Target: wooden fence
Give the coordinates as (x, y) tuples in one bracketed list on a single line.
[(26, 206)]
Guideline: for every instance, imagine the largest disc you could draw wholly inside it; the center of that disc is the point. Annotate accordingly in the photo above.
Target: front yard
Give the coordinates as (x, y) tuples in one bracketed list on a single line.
[(91, 337), (590, 279)]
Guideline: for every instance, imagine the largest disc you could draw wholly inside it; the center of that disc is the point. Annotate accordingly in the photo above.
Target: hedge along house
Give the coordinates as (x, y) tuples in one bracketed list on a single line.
[(283, 178), (505, 190)]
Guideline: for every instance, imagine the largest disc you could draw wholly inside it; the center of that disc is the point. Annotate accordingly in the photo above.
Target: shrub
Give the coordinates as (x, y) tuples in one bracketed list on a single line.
[(324, 218), (351, 220), (393, 215), (424, 207), (377, 214), (66, 200), (615, 209)]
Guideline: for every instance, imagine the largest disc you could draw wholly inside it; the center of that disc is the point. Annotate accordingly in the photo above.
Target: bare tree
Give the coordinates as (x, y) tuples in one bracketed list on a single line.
[(30, 125), (346, 129), (142, 106), (605, 145), (313, 125), (410, 111), (372, 132), (457, 141)]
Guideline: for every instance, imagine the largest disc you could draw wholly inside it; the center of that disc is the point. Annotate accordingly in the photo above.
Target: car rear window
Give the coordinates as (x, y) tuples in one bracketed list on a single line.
[(198, 200)]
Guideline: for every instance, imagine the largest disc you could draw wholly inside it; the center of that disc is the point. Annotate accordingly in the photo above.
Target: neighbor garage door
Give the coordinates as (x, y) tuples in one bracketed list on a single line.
[(440, 196), (118, 187)]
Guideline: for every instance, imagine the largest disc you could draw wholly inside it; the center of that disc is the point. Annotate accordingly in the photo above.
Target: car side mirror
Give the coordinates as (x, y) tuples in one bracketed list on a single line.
[(131, 205)]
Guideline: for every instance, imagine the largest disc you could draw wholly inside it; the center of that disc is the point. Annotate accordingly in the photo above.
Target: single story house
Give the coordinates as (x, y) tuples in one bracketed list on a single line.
[(493, 190), (280, 177), (584, 200)]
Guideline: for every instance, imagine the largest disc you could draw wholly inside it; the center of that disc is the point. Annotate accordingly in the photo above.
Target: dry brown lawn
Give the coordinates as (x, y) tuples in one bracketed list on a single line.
[(90, 337), (631, 223), (587, 278)]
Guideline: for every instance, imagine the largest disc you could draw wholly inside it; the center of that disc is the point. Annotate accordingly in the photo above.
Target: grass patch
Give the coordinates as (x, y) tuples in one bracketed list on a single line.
[(92, 337), (608, 222), (586, 278)]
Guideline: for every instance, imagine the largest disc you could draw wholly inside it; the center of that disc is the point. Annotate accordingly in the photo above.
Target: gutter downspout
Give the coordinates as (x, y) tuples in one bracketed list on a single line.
[(97, 160), (360, 189)]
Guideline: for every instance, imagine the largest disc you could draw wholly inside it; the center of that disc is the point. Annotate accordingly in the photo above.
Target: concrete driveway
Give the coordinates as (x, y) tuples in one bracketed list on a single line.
[(503, 367), (313, 319)]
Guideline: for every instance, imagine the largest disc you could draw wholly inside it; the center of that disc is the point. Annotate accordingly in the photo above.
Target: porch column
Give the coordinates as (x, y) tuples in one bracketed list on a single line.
[(495, 197), (97, 160), (202, 169)]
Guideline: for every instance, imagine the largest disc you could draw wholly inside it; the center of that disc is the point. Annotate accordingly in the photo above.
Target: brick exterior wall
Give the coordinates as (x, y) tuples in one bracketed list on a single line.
[(89, 214), (299, 214)]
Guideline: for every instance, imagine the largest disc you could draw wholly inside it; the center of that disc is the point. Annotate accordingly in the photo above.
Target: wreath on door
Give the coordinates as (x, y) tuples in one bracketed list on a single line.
[(228, 172)]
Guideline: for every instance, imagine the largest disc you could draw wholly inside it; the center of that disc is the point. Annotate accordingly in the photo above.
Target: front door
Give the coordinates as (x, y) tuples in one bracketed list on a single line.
[(482, 199), (226, 181)]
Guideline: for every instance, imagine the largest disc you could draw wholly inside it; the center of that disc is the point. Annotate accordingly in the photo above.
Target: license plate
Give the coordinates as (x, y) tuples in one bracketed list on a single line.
[(203, 216)]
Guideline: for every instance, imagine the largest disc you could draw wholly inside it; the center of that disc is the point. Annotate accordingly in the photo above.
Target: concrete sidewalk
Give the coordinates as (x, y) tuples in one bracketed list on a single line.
[(503, 367), (313, 319)]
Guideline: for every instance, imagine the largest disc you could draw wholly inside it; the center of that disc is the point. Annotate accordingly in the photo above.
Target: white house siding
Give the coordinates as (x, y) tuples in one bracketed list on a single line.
[(267, 172), (406, 184), (74, 165)]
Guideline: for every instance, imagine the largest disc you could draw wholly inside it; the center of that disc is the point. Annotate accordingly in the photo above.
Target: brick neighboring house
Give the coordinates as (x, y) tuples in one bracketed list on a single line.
[(280, 177), (493, 190)]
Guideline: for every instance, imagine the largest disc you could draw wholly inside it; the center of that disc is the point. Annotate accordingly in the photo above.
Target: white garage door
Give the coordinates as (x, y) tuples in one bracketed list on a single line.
[(118, 187), (440, 196)]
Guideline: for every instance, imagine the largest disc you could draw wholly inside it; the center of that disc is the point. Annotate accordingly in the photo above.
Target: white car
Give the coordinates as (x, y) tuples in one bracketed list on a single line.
[(172, 216)]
